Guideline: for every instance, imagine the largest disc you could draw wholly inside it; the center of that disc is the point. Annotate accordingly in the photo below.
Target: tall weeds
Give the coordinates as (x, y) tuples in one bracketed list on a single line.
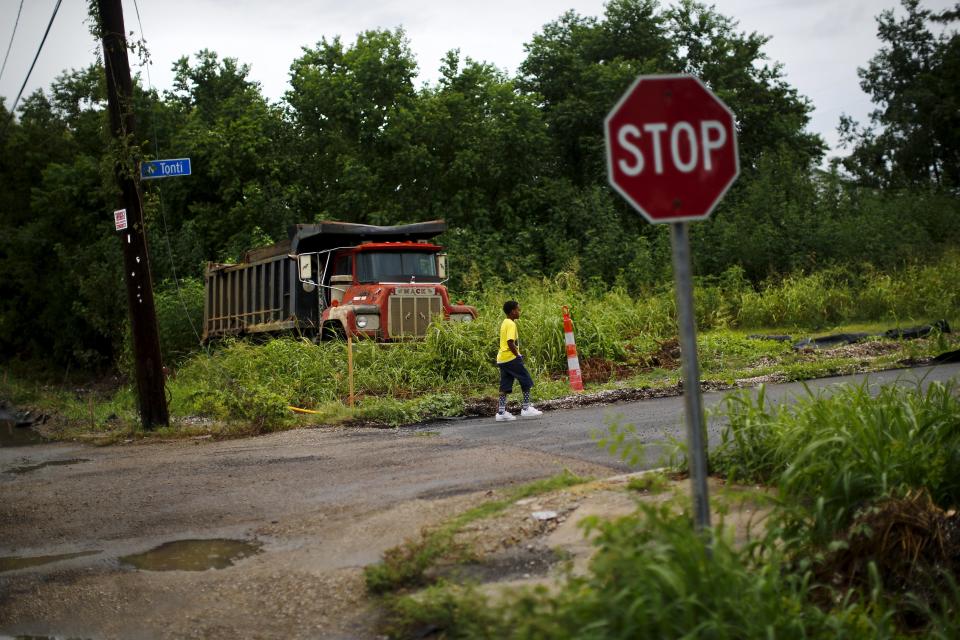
[(835, 454), (249, 381), (913, 294), (653, 576)]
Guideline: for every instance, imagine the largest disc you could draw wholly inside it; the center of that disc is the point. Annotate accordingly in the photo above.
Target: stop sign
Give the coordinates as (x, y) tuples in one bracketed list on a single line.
[(671, 148)]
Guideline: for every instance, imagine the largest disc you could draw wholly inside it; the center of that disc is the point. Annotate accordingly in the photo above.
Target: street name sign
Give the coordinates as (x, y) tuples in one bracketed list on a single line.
[(671, 148), (154, 169)]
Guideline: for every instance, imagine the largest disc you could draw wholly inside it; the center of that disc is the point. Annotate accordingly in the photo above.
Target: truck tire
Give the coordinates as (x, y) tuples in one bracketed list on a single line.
[(333, 331)]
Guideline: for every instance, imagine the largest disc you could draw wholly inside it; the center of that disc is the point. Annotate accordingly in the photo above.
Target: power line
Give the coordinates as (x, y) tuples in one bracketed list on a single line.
[(39, 49), (9, 46)]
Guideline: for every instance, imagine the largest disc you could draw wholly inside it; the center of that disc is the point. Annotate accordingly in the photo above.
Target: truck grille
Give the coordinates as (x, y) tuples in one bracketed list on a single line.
[(411, 315)]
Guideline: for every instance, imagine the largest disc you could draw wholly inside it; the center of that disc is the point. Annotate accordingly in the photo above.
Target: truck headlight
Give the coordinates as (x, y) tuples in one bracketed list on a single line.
[(461, 317), (369, 322)]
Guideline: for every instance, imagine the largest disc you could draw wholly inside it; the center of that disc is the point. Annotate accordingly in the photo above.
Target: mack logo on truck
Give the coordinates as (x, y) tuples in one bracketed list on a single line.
[(334, 279), (416, 291)]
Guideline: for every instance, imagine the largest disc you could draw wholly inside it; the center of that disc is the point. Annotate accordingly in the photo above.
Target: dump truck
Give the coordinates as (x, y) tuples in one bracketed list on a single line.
[(333, 279)]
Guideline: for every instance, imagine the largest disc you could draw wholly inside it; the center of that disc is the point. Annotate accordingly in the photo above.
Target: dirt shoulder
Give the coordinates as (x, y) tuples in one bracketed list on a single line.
[(538, 541), (322, 506)]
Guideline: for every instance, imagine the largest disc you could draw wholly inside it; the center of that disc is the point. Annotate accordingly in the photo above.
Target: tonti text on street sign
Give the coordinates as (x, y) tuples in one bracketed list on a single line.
[(671, 148), (153, 169)]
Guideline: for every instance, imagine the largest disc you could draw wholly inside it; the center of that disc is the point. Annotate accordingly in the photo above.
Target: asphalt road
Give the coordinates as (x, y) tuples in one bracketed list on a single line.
[(321, 503), (572, 433)]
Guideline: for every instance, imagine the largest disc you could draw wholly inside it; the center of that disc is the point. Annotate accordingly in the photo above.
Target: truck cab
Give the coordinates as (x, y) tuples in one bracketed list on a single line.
[(387, 291)]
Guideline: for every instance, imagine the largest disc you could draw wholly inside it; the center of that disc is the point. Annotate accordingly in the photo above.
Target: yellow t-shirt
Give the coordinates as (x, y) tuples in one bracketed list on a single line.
[(508, 331)]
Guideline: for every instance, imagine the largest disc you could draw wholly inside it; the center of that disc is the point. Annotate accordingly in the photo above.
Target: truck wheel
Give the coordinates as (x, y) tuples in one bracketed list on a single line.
[(333, 331)]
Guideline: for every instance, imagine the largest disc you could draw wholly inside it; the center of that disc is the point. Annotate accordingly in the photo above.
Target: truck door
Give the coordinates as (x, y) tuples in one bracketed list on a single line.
[(341, 276)]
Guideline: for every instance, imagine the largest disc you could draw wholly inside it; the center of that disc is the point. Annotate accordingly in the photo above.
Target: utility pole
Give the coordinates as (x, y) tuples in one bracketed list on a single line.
[(132, 232)]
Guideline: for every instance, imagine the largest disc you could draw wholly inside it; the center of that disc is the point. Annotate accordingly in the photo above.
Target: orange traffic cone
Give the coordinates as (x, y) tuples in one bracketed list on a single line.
[(573, 362)]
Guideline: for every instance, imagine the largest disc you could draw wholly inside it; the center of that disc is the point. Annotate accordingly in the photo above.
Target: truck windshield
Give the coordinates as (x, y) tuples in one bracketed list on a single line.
[(397, 266)]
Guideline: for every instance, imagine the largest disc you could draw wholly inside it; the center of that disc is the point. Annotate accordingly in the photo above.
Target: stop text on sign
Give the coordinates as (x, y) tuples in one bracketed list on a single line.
[(671, 148), (689, 146)]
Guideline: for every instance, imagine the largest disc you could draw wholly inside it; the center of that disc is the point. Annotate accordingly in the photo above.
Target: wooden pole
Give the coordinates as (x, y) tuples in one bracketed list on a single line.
[(132, 234), (350, 365)]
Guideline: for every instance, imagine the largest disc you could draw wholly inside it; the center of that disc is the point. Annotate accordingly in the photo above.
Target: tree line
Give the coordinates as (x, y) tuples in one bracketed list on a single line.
[(515, 164)]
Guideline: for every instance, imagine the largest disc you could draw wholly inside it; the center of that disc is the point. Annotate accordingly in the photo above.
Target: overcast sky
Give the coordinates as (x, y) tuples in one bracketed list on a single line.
[(820, 42)]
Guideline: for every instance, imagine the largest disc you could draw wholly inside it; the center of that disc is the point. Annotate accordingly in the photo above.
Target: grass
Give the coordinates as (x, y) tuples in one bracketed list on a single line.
[(858, 545), (100, 414), (835, 453), (405, 566), (242, 387), (649, 483), (247, 389), (652, 576)]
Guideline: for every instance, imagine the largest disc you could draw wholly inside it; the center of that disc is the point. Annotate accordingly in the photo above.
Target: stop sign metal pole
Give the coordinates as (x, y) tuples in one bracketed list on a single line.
[(687, 326)]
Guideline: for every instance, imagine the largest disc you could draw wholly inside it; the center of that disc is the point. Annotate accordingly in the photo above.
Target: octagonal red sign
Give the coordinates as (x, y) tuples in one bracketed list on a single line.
[(671, 148)]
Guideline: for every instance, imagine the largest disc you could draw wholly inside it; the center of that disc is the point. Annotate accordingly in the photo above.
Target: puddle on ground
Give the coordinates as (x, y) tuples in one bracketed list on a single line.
[(193, 555), (2, 637), (48, 463), (509, 564), (13, 436), (12, 563)]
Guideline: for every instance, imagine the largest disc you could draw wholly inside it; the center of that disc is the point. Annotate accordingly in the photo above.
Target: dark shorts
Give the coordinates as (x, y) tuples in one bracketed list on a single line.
[(514, 370)]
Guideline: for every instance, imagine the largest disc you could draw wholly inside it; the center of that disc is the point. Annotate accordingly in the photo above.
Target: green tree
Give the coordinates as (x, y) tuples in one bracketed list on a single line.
[(475, 148), (578, 67), (345, 102), (238, 144), (914, 82), (770, 114), (58, 297)]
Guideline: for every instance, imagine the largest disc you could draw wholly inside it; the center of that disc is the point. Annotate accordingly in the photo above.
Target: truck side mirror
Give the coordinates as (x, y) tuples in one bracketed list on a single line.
[(306, 268), (442, 265)]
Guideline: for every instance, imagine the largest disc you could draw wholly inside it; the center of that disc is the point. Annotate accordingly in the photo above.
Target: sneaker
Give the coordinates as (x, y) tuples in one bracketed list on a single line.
[(506, 416), (531, 412)]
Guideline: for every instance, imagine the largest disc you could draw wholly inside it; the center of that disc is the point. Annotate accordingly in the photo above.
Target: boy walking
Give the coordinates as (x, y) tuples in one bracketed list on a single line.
[(511, 366)]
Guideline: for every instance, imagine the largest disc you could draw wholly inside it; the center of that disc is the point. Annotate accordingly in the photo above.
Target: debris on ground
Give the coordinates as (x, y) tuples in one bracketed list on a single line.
[(600, 369), (913, 543), (516, 548), (667, 355), (544, 515), (837, 339), (947, 357), (910, 333)]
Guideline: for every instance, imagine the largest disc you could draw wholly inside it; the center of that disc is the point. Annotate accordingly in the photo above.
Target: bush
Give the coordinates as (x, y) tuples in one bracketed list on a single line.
[(257, 381), (914, 293), (179, 318)]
